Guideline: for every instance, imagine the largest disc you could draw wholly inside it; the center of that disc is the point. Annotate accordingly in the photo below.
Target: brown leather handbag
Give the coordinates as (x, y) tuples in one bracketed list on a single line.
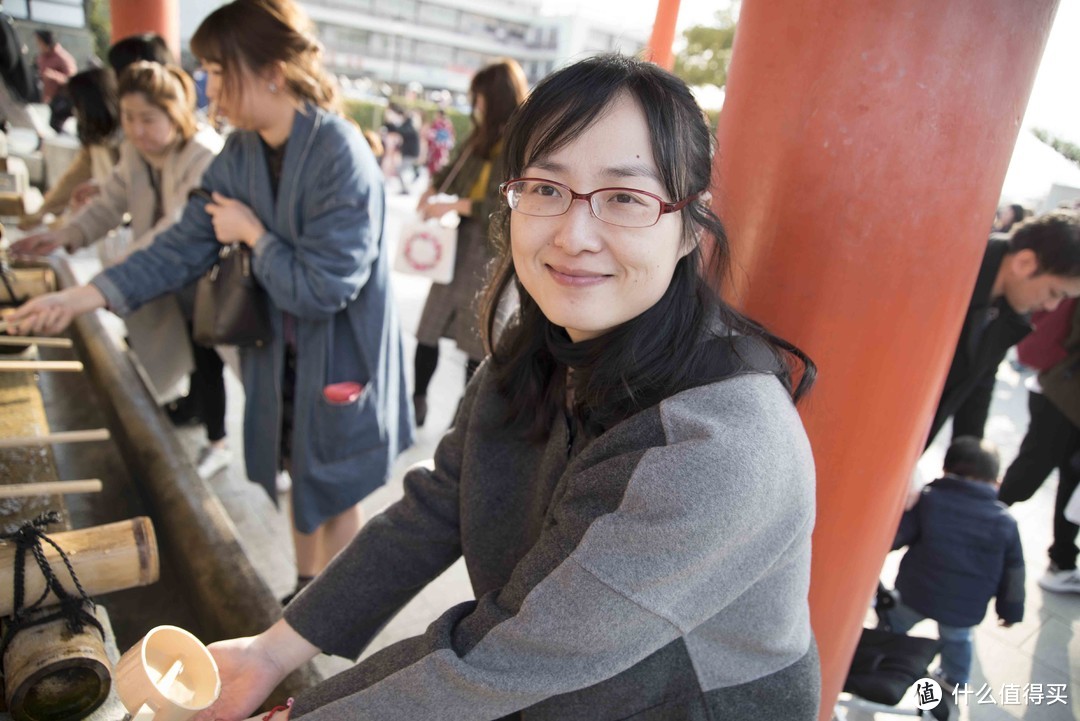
[(231, 308)]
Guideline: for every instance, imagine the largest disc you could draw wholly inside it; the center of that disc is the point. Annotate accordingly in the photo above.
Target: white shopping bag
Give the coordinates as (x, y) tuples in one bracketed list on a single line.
[(427, 248)]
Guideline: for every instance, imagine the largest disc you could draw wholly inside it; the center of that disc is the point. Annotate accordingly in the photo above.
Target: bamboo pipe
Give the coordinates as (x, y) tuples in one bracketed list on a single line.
[(83, 436), (36, 365), (52, 673), (105, 558), (35, 340), (48, 488)]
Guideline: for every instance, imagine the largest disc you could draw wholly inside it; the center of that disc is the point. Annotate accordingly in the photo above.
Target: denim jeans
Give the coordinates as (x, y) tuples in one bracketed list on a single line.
[(956, 651)]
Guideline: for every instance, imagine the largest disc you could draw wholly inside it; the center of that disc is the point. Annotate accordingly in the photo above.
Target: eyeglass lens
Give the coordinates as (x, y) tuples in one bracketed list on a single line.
[(618, 206)]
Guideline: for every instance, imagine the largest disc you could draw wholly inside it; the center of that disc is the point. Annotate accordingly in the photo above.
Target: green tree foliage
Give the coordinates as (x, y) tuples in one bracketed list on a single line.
[(704, 60), (1068, 149), (99, 23)]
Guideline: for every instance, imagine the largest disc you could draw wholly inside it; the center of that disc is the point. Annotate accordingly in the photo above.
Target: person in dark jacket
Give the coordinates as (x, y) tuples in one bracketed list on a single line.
[(1053, 437), (963, 549), (1035, 268)]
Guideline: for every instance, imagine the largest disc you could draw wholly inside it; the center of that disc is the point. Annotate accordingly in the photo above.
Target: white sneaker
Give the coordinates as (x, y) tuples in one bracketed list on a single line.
[(283, 482), (211, 460), (1060, 581)]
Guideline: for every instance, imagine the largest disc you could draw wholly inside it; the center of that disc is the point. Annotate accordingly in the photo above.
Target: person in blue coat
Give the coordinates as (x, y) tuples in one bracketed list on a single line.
[(963, 550), (298, 184)]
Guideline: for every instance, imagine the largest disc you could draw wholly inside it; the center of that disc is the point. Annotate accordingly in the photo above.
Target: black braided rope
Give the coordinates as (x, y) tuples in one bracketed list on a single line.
[(77, 610)]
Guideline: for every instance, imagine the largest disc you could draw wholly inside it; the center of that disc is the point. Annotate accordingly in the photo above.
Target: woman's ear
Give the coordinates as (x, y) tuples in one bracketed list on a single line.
[(274, 76), (694, 240)]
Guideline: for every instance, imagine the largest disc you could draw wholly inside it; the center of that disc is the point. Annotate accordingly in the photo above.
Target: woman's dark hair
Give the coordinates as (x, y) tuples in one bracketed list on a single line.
[(96, 104), (150, 47), (660, 352), (503, 87), (257, 34), (971, 457)]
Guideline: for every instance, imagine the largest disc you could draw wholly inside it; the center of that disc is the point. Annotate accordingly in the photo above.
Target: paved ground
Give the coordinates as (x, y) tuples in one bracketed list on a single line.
[(1044, 649)]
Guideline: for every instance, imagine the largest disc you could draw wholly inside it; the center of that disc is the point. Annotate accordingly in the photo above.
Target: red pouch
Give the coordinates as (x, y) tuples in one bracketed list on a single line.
[(342, 393)]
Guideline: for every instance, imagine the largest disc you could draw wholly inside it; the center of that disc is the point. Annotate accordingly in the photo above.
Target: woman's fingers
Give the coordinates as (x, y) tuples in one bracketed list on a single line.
[(38, 244)]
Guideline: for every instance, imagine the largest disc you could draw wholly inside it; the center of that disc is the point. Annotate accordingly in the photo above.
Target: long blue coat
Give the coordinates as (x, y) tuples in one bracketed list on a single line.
[(324, 260)]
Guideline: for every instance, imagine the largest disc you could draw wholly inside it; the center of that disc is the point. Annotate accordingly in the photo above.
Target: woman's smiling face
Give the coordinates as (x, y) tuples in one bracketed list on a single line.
[(586, 275)]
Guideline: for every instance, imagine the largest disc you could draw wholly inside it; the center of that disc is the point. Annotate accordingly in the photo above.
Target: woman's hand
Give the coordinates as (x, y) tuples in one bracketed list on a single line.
[(233, 221), (462, 207), (250, 668), (51, 313), (248, 676), (40, 244), (37, 244)]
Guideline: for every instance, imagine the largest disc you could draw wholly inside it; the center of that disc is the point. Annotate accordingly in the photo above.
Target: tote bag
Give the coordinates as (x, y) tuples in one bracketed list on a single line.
[(428, 248)]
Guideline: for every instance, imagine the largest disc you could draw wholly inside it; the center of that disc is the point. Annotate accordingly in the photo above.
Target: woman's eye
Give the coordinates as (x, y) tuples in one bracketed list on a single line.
[(547, 190), (626, 198)]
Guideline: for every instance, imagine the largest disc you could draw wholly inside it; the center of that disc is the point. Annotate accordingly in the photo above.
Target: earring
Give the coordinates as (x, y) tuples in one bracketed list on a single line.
[(272, 87)]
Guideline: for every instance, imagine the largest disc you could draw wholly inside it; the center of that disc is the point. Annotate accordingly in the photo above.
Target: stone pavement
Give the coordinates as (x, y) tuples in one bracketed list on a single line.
[(1044, 649)]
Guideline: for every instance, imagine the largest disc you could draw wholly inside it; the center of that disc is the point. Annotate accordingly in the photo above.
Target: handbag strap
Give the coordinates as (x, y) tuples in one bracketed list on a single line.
[(456, 169)]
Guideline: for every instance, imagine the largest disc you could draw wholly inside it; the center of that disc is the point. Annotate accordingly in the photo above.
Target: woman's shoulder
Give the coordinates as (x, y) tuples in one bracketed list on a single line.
[(206, 140), (334, 127)]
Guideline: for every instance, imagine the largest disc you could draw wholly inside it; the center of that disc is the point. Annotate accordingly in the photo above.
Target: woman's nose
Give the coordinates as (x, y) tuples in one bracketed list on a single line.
[(577, 230)]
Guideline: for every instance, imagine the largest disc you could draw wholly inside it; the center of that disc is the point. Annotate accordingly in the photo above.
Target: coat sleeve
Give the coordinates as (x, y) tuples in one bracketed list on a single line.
[(189, 179), (178, 255), (106, 210), (610, 580), (1010, 592), (908, 532), (327, 264)]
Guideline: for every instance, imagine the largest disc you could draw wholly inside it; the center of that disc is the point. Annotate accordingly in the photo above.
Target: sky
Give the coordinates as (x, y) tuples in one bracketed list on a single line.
[(1054, 103)]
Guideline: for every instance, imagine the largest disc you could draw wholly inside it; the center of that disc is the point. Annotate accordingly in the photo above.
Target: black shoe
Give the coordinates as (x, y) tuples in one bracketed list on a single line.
[(419, 404), (182, 412)]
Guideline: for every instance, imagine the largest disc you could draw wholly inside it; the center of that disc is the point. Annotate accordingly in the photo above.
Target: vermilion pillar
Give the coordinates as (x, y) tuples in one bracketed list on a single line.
[(130, 17), (663, 34), (862, 150)]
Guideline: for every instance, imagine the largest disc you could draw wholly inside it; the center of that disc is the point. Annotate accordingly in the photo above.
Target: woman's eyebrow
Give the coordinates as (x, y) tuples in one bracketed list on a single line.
[(633, 170), (626, 170)]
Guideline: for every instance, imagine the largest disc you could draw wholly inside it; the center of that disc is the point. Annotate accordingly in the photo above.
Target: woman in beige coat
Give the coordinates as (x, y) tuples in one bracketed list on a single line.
[(162, 158)]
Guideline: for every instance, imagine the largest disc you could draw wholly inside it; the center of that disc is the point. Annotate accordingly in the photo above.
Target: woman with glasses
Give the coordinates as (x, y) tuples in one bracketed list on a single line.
[(473, 175), (628, 479)]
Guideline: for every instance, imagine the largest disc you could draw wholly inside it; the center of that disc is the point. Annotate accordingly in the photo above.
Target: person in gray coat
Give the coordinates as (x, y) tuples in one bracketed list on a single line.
[(298, 184), (628, 479)]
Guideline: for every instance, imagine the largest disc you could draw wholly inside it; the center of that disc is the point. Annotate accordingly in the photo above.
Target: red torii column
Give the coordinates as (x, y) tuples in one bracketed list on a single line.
[(862, 148), (131, 17), (663, 34)]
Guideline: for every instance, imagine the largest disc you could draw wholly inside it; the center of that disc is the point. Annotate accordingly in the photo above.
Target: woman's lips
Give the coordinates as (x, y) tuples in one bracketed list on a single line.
[(575, 277)]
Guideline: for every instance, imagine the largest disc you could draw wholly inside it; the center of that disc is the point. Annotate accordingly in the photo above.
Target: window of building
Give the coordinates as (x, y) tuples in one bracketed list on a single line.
[(396, 9), (58, 12), (438, 16), (433, 54), (468, 59)]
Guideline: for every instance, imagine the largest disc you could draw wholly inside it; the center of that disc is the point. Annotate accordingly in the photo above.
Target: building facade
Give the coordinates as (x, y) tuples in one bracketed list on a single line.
[(440, 44)]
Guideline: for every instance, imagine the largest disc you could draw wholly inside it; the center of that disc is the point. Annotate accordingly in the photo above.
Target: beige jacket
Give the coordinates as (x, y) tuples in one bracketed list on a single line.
[(157, 332)]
